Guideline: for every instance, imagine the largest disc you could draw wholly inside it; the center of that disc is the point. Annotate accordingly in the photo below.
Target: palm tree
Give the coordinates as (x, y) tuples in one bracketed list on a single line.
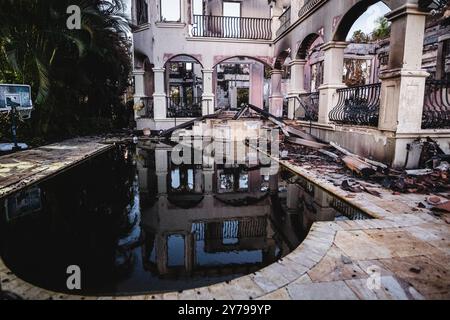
[(73, 73), (383, 29)]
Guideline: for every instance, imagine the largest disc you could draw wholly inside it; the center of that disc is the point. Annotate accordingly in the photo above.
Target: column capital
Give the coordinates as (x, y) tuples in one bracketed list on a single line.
[(275, 71), (407, 9), (207, 70), (138, 72), (298, 62), (334, 45), (159, 69)]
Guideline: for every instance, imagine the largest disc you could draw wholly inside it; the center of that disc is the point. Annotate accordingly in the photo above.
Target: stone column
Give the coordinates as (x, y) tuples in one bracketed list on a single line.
[(208, 95), (332, 78), (403, 83), (161, 168), (276, 97), (256, 92), (139, 90), (296, 86), (208, 174), (159, 96)]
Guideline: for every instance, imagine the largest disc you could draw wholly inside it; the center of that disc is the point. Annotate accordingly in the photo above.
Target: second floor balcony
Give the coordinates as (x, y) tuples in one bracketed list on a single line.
[(232, 27)]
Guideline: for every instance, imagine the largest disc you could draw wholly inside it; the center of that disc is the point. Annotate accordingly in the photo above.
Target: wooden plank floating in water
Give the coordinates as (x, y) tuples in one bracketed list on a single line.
[(22, 169)]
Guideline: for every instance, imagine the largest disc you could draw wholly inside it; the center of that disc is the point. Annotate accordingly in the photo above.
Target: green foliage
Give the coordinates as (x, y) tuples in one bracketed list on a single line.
[(383, 29), (78, 77), (359, 37)]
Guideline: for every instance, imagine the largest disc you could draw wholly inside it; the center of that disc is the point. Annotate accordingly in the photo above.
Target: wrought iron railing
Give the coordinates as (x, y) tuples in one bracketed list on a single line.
[(239, 228), (232, 27), (358, 105), (310, 105), (309, 6), (306, 106), (286, 107), (436, 109), (285, 20), (179, 108), (148, 107)]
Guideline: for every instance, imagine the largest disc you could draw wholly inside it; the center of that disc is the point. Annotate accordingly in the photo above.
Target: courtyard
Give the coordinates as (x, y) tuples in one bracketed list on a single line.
[(240, 150)]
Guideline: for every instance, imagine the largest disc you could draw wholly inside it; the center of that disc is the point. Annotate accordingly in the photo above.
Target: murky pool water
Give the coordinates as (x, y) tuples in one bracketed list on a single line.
[(134, 222)]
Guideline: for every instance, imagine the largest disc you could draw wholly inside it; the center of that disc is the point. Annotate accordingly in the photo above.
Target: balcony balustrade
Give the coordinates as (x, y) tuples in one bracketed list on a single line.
[(436, 109), (232, 27), (359, 105)]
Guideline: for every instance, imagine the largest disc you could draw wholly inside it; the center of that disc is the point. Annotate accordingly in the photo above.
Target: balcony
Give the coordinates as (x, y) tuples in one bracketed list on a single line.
[(232, 27), (359, 105), (436, 109), (184, 108), (285, 20)]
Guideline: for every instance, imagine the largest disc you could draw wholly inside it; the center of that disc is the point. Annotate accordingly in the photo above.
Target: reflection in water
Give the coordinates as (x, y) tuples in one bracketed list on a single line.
[(134, 222)]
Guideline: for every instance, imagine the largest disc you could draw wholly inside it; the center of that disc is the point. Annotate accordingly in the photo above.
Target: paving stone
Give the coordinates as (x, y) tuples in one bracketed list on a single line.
[(372, 266), (154, 297), (245, 288), (430, 279), (220, 292), (289, 272), (170, 296), (336, 290), (401, 243), (275, 277), (359, 246), (301, 259), (332, 268), (305, 279), (390, 289), (188, 295), (280, 294), (264, 283)]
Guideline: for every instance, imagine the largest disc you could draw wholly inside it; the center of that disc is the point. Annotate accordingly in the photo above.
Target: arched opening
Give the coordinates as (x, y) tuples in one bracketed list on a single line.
[(241, 80), (143, 86), (184, 87), (310, 50), (367, 31), (362, 13)]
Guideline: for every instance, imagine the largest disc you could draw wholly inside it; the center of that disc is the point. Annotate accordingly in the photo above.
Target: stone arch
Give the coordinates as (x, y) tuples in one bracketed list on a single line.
[(306, 44), (349, 18), (262, 60), (279, 61), (174, 57)]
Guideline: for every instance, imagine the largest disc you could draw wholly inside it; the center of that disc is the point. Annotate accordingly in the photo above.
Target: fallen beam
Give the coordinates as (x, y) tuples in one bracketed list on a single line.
[(307, 143), (188, 124), (358, 166), (348, 153), (287, 130)]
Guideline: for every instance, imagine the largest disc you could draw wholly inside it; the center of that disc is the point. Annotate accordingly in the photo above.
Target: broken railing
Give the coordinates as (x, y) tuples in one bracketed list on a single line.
[(436, 109), (310, 102), (358, 105), (177, 108), (148, 107), (232, 27)]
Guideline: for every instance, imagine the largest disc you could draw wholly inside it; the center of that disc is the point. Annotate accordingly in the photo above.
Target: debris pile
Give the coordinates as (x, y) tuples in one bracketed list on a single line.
[(339, 163)]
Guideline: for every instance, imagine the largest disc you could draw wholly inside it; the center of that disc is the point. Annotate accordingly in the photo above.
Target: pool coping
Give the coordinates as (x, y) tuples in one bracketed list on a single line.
[(275, 281)]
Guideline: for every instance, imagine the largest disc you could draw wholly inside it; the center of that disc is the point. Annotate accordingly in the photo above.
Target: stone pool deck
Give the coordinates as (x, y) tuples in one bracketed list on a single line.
[(22, 169), (402, 254)]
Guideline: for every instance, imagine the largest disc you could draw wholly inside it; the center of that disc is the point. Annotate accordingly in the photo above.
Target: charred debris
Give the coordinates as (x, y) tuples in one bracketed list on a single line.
[(427, 170)]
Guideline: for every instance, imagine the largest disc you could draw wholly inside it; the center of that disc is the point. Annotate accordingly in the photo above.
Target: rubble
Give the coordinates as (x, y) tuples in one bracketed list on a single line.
[(340, 164)]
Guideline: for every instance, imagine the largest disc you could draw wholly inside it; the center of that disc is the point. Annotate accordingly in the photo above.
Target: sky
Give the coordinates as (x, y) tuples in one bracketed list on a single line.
[(367, 22)]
